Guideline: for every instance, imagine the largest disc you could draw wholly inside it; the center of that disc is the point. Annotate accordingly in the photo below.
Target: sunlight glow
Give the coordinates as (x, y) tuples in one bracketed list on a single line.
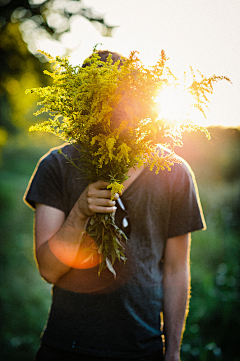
[(80, 256), (154, 28), (174, 103)]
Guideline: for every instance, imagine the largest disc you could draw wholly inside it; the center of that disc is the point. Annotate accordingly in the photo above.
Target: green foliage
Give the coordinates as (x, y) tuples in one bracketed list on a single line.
[(111, 111), (19, 70), (39, 14), (24, 296), (19, 64)]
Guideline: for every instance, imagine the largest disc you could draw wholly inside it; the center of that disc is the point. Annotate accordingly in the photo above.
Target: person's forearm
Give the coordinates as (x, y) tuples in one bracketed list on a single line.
[(176, 298), (60, 245), (56, 256)]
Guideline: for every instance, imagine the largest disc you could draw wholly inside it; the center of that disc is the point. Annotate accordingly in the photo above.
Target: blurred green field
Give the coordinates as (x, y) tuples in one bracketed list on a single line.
[(213, 324)]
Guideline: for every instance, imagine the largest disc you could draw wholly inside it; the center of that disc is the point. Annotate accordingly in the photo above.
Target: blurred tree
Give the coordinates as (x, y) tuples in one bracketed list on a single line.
[(51, 16), (19, 69), (21, 23), (47, 19)]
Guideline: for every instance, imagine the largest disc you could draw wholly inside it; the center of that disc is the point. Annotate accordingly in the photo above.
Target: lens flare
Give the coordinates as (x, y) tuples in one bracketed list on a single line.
[(82, 255)]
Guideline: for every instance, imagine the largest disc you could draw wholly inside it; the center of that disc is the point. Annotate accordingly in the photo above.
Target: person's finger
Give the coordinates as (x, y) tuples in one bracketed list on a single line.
[(100, 184), (116, 196), (105, 202), (101, 209), (98, 193)]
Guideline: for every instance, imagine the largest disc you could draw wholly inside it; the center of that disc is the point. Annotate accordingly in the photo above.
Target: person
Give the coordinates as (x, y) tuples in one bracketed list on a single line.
[(139, 315)]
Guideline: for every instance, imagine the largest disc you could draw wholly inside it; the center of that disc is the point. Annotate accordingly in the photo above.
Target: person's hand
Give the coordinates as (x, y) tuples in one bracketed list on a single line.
[(97, 199)]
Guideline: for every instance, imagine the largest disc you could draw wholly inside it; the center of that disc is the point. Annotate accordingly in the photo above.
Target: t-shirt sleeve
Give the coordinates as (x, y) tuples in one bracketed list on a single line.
[(45, 185), (186, 212)]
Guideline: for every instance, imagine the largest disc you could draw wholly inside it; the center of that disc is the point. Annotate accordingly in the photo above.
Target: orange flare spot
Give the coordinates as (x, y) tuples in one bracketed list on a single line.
[(82, 255)]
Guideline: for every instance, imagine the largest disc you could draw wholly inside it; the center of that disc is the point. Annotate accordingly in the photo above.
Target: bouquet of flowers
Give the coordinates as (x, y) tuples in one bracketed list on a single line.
[(110, 109)]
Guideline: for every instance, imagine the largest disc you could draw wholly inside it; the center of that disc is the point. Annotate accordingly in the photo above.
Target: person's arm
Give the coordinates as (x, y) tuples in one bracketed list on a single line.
[(176, 283), (51, 228)]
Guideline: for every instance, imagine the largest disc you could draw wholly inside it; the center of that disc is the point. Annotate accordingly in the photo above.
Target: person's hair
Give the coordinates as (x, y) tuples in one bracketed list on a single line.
[(103, 57)]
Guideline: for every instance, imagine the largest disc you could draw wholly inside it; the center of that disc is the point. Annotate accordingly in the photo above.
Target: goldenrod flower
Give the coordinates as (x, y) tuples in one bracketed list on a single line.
[(110, 110)]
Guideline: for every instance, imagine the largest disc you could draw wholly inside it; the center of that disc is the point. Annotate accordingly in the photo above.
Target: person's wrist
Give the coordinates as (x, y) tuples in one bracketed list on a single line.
[(83, 211), (83, 215)]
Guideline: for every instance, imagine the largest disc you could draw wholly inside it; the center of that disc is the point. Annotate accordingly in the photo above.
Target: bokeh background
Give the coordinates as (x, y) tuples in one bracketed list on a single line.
[(204, 34)]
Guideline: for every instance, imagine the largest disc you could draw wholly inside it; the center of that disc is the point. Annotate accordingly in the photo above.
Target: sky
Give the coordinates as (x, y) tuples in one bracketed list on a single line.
[(204, 34)]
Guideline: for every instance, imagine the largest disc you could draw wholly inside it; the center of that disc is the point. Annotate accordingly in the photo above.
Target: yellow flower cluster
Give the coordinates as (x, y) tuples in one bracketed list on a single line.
[(110, 110)]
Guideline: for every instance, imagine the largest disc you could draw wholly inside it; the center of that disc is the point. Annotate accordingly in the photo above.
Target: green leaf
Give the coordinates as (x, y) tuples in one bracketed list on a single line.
[(110, 267), (113, 254), (100, 249), (102, 266)]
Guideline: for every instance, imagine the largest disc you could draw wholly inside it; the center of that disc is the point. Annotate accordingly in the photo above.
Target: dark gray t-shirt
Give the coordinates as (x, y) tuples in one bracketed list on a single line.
[(117, 317)]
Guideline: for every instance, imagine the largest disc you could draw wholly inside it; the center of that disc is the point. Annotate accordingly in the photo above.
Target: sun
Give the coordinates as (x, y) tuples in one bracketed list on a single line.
[(174, 103)]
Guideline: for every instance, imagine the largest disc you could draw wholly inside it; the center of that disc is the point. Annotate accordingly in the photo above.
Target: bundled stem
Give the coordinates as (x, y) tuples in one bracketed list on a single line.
[(110, 240)]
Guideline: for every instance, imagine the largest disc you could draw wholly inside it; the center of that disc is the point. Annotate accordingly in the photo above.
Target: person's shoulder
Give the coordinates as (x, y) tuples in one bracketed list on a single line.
[(178, 165), (57, 154), (183, 166)]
